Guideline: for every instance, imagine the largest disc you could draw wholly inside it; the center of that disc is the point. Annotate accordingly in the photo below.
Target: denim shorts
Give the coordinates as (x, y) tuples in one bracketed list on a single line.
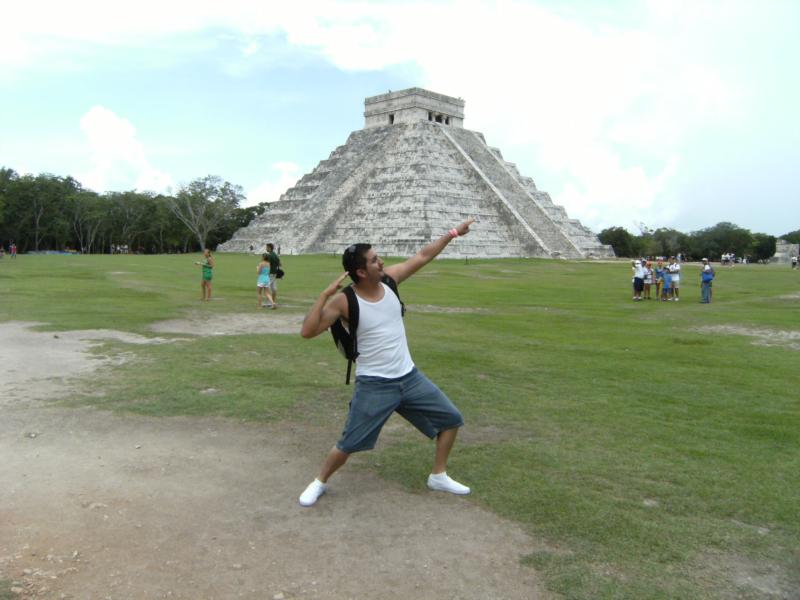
[(413, 396)]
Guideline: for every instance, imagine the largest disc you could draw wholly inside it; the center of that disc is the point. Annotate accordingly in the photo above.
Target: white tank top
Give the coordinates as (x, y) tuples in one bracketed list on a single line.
[(382, 346)]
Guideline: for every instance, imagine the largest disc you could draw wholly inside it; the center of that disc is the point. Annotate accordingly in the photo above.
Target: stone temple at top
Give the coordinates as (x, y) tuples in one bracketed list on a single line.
[(408, 176)]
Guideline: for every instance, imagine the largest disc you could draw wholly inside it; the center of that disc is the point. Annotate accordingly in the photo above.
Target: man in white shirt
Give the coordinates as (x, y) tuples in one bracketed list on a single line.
[(387, 380), (638, 279)]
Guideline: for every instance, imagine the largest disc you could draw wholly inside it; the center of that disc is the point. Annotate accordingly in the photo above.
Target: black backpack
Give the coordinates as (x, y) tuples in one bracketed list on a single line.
[(346, 340)]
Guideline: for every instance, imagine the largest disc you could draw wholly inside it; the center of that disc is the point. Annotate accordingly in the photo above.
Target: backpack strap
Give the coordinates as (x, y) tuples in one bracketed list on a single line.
[(352, 326), (393, 286), (352, 318)]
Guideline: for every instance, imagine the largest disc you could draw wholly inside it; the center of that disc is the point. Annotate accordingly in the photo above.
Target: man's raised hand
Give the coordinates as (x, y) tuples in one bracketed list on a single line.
[(336, 285), (463, 229)]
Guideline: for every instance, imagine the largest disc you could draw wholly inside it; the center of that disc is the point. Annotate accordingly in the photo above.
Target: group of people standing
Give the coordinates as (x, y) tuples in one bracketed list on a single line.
[(266, 282), (12, 250), (667, 280)]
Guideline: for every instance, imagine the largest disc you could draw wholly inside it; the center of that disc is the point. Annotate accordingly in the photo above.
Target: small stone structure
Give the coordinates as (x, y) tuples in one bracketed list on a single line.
[(784, 251), (408, 176), (414, 104)]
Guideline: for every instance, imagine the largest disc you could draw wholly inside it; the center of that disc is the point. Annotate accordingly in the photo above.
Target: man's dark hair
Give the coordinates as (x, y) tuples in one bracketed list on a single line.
[(270, 247), (354, 258)]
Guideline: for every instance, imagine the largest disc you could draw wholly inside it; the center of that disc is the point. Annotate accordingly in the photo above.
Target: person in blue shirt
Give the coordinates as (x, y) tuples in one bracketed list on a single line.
[(706, 278)]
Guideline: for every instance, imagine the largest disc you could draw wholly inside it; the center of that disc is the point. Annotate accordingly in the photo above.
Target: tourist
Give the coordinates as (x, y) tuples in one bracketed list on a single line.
[(706, 278), (659, 271), (262, 283), (274, 265), (386, 378), (205, 283), (638, 279), (794, 262), (674, 270), (666, 291), (648, 279)]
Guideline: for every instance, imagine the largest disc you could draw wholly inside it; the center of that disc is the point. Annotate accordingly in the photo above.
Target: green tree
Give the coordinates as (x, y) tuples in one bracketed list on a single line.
[(166, 232), (646, 245), (205, 204), (35, 210), (620, 239), (7, 176), (87, 214), (240, 217), (129, 213), (669, 242), (793, 237), (763, 246), (719, 239)]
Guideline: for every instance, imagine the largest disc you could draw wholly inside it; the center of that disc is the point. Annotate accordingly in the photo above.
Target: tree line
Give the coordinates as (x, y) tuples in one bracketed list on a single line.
[(710, 243), (48, 212)]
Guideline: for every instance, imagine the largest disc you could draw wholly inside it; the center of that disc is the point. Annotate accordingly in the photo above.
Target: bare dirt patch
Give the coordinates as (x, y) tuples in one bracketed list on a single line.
[(432, 308), (259, 321), (38, 365), (761, 336), (97, 505), (751, 578)]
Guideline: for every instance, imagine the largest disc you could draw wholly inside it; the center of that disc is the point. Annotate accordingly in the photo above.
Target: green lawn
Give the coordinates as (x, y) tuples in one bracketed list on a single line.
[(654, 447)]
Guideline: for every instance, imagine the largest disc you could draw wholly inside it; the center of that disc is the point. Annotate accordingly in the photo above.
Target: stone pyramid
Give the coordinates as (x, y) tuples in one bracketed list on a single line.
[(408, 176)]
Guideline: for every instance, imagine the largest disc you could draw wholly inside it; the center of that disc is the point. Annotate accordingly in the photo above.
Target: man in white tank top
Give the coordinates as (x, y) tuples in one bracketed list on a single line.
[(387, 380)]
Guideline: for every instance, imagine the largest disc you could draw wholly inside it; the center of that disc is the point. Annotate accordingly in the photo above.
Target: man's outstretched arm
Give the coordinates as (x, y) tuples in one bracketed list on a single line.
[(323, 313), (407, 268)]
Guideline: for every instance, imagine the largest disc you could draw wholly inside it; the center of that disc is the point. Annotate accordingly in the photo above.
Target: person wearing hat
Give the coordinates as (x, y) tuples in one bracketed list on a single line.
[(706, 277), (638, 279)]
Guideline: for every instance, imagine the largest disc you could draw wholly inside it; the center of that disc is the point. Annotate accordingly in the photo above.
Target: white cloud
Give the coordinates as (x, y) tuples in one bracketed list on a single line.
[(117, 156), (250, 49), (270, 190), (596, 111), (632, 195), (603, 111)]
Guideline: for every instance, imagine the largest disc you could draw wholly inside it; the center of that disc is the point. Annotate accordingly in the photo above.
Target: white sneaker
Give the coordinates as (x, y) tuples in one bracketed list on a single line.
[(440, 482), (312, 493)]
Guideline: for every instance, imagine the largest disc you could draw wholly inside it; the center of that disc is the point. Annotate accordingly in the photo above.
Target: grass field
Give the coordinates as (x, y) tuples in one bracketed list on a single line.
[(654, 447)]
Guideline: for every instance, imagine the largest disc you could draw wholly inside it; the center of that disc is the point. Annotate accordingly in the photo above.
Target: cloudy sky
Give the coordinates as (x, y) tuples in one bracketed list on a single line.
[(667, 113)]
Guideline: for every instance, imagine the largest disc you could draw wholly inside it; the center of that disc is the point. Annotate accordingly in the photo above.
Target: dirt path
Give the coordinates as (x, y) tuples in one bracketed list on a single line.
[(94, 505)]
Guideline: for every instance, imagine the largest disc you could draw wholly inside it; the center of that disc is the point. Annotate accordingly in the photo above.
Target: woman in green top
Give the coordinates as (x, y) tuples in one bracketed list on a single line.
[(205, 283)]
